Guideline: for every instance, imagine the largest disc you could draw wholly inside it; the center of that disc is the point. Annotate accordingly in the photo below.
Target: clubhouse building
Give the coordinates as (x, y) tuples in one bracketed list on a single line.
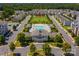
[(40, 32)]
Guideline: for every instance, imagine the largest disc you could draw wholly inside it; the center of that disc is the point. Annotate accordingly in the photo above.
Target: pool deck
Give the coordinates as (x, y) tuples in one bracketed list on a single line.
[(40, 27)]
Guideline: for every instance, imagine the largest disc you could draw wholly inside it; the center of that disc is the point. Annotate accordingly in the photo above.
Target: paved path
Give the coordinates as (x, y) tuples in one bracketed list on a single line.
[(68, 38), (22, 50), (57, 51), (5, 48)]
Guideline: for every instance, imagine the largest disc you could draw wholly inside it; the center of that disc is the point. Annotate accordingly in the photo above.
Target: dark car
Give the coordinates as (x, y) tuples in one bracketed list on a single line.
[(16, 54)]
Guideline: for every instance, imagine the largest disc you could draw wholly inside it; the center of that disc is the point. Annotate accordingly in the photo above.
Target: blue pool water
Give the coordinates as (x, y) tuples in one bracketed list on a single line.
[(39, 28)]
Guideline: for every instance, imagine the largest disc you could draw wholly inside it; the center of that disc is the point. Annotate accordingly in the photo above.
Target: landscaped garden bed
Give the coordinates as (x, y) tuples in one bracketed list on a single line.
[(22, 40)]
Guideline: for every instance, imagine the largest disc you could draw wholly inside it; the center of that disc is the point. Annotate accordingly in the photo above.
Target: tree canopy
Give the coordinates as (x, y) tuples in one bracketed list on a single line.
[(58, 38), (30, 6), (21, 37), (77, 40), (7, 11), (32, 48), (66, 47), (2, 39), (12, 46), (47, 49)]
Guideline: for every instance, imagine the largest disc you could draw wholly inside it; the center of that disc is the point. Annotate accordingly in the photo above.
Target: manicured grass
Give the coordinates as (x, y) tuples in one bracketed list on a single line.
[(67, 27), (40, 20), (38, 52)]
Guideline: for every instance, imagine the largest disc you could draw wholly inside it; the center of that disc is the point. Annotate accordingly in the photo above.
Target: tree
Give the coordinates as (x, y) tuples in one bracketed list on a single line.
[(66, 47), (58, 38), (70, 15), (32, 48), (2, 39), (47, 49), (7, 11), (12, 46), (74, 16), (77, 40), (14, 27), (59, 44), (50, 39), (24, 40), (21, 37), (27, 7)]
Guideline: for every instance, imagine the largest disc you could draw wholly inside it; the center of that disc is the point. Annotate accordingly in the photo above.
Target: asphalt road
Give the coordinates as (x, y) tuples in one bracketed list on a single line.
[(57, 51), (5, 48), (20, 28), (68, 38)]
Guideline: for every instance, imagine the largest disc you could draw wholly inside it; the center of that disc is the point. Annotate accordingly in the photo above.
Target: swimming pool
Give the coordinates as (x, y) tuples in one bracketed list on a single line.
[(39, 28)]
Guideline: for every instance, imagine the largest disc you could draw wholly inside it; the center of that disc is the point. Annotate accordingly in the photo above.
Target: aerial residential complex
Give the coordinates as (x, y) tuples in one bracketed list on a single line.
[(39, 30)]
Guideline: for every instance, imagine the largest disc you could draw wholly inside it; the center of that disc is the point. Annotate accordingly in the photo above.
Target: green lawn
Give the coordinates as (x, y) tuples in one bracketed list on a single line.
[(40, 20), (38, 52), (67, 27)]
